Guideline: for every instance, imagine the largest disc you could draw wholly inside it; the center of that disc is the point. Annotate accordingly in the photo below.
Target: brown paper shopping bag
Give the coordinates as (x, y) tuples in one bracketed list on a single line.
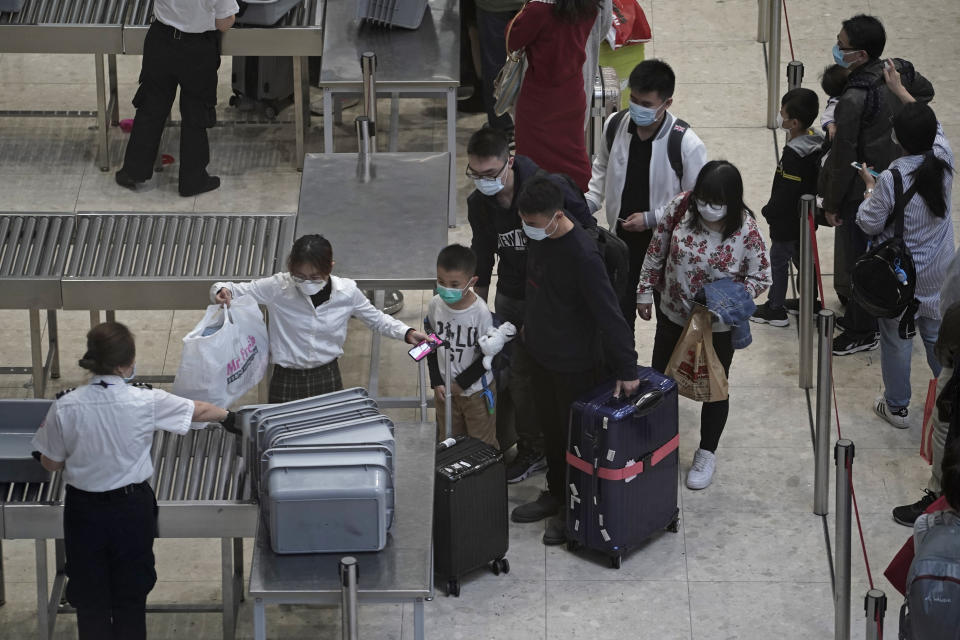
[(694, 364)]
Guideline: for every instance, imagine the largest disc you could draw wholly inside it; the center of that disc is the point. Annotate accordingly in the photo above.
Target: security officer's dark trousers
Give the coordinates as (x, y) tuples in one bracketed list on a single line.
[(172, 58), (110, 565)]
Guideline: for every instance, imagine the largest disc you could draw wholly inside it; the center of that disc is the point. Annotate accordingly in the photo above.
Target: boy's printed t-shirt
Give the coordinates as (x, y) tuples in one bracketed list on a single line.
[(466, 326)]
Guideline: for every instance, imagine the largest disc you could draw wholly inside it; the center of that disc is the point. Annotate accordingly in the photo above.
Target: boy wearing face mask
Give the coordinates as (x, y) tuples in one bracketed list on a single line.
[(460, 316), (796, 175), (632, 170), (309, 311)]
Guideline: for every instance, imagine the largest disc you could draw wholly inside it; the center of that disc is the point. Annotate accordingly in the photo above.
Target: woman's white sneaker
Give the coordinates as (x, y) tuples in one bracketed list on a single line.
[(701, 473)]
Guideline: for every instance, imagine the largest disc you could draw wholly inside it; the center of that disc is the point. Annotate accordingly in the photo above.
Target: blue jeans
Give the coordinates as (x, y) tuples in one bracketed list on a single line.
[(781, 253), (895, 354)]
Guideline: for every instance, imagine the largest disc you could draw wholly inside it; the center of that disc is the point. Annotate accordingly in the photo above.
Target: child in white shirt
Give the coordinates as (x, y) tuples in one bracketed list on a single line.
[(833, 82), (458, 315)]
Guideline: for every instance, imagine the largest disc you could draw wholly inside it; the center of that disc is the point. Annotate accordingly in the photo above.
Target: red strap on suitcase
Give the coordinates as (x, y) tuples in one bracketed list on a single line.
[(626, 472)]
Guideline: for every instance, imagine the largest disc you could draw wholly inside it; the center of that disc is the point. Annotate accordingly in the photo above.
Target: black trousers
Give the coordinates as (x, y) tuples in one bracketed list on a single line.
[(553, 393), (856, 320), (713, 415), (491, 27), (637, 242), (173, 59), (110, 565), (529, 435)]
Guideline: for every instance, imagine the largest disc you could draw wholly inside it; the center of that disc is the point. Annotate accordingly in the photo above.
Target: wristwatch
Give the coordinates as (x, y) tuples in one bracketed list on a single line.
[(868, 192)]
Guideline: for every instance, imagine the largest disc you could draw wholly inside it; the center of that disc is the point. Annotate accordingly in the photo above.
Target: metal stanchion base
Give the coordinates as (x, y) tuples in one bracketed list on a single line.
[(393, 301)]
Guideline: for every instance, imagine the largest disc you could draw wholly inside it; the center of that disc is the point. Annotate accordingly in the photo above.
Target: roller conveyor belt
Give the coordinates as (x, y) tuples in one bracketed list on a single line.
[(178, 255), (66, 12), (304, 14), (33, 252)]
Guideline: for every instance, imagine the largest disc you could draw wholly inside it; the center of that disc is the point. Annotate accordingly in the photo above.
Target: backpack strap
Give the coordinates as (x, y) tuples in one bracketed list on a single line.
[(674, 143), (900, 200), (612, 127)]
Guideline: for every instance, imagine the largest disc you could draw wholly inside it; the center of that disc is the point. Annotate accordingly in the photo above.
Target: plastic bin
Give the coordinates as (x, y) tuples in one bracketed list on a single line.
[(266, 13), (19, 421)]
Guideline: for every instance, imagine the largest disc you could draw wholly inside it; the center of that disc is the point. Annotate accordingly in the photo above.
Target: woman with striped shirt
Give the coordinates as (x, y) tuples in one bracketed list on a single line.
[(928, 233)]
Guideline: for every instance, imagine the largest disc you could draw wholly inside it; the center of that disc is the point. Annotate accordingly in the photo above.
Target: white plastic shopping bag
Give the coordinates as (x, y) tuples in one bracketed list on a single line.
[(225, 355)]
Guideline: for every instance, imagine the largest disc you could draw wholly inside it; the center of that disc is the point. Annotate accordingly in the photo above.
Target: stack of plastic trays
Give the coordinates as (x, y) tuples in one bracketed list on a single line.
[(392, 13)]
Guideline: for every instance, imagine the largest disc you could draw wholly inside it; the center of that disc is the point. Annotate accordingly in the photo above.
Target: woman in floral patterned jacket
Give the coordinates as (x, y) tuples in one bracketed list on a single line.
[(706, 235)]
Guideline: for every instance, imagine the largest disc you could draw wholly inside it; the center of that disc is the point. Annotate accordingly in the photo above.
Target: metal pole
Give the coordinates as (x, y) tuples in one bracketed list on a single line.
[(448, 385), (773, 66), (368, 68), (821, 483), (364, 172), (806, 292), (794, 74), (875, 604), (763, 20), (843, 457), (348, 597)]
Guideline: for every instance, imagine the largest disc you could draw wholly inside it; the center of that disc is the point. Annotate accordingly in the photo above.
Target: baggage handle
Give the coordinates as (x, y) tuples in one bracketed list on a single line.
[(643, 402)]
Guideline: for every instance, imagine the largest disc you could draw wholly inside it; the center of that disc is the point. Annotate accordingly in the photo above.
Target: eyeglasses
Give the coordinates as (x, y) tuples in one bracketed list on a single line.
[(473, 175), (300, 279)]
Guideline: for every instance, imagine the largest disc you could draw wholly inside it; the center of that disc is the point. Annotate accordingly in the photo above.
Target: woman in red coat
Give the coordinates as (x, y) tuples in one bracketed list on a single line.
[(549, 110)]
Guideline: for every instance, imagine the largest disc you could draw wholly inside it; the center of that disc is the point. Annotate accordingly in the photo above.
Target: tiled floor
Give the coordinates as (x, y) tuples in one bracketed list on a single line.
[(749, 562)]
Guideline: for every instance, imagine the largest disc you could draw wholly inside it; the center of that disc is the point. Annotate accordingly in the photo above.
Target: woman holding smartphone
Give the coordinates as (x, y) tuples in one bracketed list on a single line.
[(309, 311)]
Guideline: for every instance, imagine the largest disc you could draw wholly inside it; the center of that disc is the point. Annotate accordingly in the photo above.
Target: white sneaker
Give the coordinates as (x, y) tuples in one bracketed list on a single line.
[(701, 473), (897, 418)]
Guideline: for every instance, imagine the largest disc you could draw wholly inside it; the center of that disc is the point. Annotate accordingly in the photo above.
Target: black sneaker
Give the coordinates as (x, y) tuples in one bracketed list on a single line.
[(765, 314), (792, 305), (556, 532), (207, 183), (908, 513), (846, 343), (525, 465), (125, 180), (544, 506)]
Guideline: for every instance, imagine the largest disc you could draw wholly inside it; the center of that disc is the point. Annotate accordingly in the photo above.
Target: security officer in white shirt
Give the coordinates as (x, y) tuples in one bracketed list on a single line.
[(309, 311), (100, 436), (182, 48)]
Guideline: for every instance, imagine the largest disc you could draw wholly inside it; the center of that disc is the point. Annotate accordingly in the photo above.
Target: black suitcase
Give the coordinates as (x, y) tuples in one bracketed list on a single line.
[(470, 528), (622, 466), (262, 83)]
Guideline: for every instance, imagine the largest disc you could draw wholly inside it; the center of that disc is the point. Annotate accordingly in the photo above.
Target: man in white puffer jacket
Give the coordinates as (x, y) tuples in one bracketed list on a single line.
[(633, 171)]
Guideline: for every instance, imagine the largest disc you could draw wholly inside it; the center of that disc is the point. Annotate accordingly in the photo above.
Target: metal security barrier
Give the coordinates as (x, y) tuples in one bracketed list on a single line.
[(875, 605), (794, 74), (348, 602), (821, 484), (806, 291), (773, 62), (843, 458)]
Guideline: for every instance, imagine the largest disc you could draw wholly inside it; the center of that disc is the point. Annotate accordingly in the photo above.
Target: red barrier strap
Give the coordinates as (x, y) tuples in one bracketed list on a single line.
[(630, 471)]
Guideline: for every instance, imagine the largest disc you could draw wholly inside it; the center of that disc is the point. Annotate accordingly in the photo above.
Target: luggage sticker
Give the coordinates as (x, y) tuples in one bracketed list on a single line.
[(576, 525), (630, 462), (605, 535), (611, 454), (576, 450), (573, 489), (600, 518)]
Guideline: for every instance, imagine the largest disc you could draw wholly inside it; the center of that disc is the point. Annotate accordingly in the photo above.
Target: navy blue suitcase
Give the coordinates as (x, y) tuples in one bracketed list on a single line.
[(622, 466)]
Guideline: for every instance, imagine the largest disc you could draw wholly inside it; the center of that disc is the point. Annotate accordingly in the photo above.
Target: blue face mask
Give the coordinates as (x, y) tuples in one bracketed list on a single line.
[(133, 374), (449, 294), (838, 56), (537, 233), (643, 116), (488, 186)]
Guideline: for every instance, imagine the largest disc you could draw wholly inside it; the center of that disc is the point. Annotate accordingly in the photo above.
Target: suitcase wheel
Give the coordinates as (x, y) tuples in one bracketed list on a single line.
[(500, 565), (616, 562), (674, 525), (453, 588)]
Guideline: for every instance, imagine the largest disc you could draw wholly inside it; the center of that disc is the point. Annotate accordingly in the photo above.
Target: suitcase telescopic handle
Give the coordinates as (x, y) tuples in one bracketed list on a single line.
[(645, 402)]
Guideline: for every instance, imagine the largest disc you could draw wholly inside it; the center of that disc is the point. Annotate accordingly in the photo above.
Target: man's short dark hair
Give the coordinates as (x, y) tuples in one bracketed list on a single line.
[(653, 75), (539, 196), (457, 257), (866, 33), (488, 143), (801, 104), (833, 80), (950, 477)]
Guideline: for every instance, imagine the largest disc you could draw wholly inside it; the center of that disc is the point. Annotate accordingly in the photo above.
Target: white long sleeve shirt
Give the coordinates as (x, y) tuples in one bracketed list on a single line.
[(303, 336), (194, 16), (610, 170)]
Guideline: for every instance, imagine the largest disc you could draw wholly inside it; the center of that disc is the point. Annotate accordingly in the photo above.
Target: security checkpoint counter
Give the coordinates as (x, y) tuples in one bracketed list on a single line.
[(387, 223), (402, 572)]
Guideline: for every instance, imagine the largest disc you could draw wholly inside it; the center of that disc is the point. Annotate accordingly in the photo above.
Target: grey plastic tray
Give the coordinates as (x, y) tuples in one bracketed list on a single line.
[(329, 501), (19, 421), (266, 13), (271, 427)]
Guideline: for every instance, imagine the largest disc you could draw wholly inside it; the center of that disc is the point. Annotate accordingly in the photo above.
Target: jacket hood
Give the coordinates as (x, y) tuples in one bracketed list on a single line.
[(806, 144)]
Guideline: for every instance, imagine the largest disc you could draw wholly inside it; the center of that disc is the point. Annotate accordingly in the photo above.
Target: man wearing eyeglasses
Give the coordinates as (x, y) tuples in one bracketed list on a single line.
[(863, 118), (498, 237)]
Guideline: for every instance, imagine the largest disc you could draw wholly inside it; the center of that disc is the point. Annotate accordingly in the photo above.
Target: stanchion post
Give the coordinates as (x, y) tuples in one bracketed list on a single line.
[(843, 457), (794, 74), (805, 319), (821, 482), (773, 65), (763, 20), (348, 597), (368, 70), (875, 605)]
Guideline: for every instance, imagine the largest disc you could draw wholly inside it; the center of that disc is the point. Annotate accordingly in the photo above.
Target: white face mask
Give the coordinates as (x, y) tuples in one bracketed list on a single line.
[(311, 287), (488, 186), (539, 233), (711, 212)]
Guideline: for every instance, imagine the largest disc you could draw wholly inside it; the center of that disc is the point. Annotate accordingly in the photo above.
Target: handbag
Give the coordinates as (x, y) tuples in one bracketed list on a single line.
[(694, 363), (507, 85)]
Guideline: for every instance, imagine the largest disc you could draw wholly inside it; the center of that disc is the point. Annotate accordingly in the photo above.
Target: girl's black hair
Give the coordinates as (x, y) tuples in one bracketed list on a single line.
[(575, 10), (916, 129), (719, 182), (314, 250), (109, 345)]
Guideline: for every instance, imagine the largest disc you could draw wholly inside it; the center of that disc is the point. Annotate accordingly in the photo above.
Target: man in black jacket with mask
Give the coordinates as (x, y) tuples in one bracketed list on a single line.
[(497, 234), (863, 117)]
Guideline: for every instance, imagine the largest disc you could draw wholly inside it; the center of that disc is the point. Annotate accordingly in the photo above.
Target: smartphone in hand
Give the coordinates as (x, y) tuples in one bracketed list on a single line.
[(425, 348), (859, 167)]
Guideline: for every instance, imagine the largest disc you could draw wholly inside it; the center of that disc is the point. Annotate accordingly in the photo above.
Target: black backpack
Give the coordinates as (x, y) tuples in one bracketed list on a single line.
[(884, 280), (673, 142)]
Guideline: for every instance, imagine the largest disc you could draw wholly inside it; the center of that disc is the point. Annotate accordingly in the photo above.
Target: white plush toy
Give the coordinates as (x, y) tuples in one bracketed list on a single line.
[(492, 342)]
